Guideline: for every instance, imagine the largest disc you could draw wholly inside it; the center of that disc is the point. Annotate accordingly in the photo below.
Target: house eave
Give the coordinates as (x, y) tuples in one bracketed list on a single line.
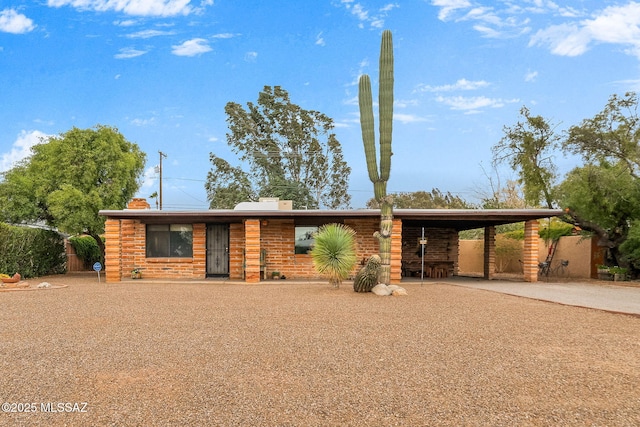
[(460, 219)]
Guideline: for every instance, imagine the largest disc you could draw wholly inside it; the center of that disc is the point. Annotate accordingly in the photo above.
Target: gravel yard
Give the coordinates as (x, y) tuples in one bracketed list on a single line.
[(303, 354)]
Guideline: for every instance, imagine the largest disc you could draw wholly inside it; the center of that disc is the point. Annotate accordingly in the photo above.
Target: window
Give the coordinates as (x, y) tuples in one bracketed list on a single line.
[(164, 240), (304, 239)]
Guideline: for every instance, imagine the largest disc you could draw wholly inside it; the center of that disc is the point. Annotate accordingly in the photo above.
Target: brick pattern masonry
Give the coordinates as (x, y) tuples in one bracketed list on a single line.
[(125, 249)]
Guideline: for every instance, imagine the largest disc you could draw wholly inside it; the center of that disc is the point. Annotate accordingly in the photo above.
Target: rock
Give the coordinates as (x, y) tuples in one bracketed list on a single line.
[(400, 292), (381, 289), (44, 285), (394, 287)]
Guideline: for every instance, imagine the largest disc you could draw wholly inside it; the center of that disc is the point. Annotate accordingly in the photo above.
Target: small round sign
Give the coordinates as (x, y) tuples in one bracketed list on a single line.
[(97, 266)]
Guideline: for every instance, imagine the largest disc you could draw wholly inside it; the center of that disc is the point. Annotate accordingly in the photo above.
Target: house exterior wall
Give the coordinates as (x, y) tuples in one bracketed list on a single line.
[(126, 250), (250, 238), (277, 238)]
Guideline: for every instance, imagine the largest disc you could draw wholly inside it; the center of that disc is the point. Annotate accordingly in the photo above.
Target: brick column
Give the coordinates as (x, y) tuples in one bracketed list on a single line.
[(453, 251), (199, 266), (396, 252), (112, 250), (252, 250), (489, 252), (530, 254), (236, 250), (128, 247)]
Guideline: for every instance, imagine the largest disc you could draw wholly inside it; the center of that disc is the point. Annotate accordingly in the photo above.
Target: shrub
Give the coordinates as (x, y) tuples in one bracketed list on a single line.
[(32, 252), (87, 249)]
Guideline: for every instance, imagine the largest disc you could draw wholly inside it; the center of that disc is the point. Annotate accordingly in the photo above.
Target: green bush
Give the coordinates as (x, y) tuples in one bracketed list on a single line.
[(32, 252), (87, 249), (556, 230), (630, 249)]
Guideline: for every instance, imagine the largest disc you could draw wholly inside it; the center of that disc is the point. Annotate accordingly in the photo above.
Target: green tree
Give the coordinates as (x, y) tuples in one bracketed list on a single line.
[(291, 153), (435, 199), (602, 199), (630, 248), (381, 177), (334, 252), (69, 178), (610, 145), (227, 185), (528, 147), (611, 135)]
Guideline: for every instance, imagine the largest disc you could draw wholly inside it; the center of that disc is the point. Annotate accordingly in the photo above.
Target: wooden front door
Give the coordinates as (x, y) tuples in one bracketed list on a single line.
[(218, 250)]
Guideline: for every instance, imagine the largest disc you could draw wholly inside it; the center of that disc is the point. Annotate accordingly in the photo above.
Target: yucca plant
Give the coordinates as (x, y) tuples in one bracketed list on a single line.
[(334, 252)]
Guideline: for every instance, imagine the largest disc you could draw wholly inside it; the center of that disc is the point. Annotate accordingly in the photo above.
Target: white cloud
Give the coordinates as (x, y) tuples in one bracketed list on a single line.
[(129, 52), (125, 23), (502, 19), (618, 25), (21, 148), (14, 22), (408, 118), (149, 179), (563, 40), (192, 47), (147, 34), (404, 103), (447, 7), (359, 11), (374, 19), (320, 40), (225, 35), (132, 7), (531, 76), (251, 56), (474, 103), (461, 84), (143, 122)]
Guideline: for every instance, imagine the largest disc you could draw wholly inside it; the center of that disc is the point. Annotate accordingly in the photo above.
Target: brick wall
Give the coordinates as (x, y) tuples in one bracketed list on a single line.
[(278, 239), (442, 245), (126, 250)]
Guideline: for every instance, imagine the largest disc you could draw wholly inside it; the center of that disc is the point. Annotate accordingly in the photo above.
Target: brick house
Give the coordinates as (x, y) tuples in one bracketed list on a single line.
[(252, 241)]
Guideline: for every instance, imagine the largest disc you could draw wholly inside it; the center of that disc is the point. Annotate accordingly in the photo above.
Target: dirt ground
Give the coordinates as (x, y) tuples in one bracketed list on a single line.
[(303, 354)]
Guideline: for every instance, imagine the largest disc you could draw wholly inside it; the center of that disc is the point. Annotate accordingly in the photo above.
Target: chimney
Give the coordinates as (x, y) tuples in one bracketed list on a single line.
[(138, 204)]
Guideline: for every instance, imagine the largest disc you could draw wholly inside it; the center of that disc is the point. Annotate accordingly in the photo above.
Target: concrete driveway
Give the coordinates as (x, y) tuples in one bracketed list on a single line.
[(598, 295)]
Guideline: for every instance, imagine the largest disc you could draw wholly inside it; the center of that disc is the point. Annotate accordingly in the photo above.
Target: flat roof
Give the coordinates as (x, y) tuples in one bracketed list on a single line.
[(460, 219)]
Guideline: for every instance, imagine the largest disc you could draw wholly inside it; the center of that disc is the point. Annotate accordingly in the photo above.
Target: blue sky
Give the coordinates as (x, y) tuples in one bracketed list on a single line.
[(161, 71)]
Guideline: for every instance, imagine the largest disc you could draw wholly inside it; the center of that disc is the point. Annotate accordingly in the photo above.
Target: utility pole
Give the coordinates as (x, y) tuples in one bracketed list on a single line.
[(161, 156)]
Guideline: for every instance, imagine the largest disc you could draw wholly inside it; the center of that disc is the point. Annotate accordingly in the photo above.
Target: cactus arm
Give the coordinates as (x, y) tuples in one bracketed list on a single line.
[(366, 122), (385, 97)]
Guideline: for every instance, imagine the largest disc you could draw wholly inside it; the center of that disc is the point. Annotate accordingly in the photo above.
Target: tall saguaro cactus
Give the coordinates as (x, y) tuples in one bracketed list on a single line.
[(379, 179)]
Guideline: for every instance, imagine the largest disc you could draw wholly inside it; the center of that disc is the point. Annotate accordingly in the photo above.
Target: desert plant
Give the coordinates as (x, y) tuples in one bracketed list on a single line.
[(380, 179), (367, 277), (334, 253)]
